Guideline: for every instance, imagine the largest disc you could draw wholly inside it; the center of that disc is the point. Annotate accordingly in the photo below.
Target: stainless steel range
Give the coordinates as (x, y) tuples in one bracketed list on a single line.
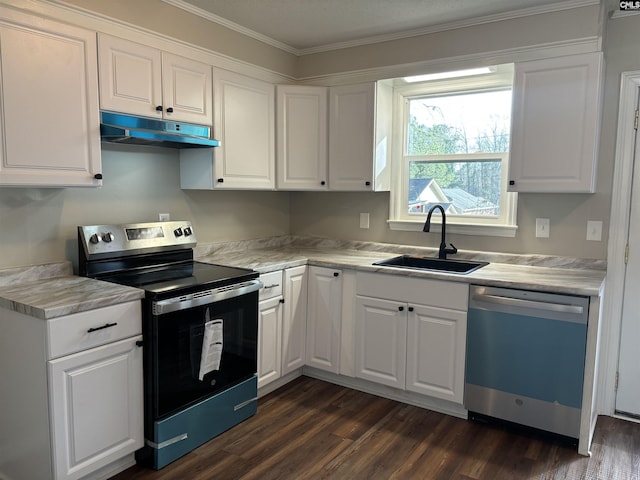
[(200, 330)]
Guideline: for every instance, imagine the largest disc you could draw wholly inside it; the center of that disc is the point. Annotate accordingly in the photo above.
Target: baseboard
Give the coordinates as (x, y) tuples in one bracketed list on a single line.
[(410, 398)]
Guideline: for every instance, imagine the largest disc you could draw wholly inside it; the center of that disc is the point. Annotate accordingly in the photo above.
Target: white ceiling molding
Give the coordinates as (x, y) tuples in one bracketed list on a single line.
[(569, 4)]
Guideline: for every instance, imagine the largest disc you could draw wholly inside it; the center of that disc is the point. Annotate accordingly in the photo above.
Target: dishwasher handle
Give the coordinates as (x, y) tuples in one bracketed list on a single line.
[(523, 303)]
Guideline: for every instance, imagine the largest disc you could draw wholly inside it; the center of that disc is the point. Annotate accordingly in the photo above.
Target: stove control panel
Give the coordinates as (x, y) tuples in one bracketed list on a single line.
[(134, 238)]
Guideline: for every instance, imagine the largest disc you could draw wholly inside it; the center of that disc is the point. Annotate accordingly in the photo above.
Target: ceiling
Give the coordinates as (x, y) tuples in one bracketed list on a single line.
[(303, 25)]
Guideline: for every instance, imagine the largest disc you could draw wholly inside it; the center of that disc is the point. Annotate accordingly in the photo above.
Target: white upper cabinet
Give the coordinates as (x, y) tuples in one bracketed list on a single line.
[(142, 80), (301, 143), (334, 138), (351, 137), (555, 124), (49, 120), (244, 122)]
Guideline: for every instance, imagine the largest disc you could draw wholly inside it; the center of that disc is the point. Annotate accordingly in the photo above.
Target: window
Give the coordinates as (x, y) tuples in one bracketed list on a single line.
[(454, 152)]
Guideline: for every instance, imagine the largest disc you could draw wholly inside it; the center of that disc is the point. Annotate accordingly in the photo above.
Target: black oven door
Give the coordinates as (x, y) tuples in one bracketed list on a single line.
[(201, 345)]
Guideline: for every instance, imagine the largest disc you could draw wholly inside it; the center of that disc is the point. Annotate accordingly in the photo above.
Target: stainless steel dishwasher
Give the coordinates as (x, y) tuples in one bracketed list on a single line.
[(525, 357)]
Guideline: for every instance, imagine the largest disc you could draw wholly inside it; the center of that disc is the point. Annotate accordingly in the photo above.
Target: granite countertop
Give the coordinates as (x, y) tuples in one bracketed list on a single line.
[(533, 272), (50, 291)]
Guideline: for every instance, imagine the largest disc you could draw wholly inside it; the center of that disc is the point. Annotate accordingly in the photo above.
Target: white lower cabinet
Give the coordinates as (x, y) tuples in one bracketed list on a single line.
[(282, 323), (270, 328), (324, 311), (294, 322), (96, 405), (411, 334), (74, 407), (381, 332)]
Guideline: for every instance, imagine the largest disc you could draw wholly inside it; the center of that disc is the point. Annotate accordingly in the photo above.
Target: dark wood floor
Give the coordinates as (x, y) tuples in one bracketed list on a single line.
[(311, 429)]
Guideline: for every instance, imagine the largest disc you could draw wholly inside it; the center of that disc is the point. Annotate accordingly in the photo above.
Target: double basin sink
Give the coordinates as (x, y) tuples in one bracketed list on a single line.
[(432, 264)]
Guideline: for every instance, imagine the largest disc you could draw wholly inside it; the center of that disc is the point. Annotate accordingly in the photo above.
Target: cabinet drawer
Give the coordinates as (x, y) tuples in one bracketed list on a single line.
[(272, 285), (80, 331)]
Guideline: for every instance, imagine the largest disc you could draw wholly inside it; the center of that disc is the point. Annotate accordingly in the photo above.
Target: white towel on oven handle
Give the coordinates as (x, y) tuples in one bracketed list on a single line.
[(212, 343)]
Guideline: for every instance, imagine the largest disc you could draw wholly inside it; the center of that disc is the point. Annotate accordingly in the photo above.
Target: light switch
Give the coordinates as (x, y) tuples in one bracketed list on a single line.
[(594, 230), (542, 227), (364, 220)]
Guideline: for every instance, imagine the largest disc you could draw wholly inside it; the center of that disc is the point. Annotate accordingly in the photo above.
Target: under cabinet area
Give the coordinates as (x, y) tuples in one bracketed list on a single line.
[(49, 78), (410, 334), (555, 124), (142, 80), (74, 407)]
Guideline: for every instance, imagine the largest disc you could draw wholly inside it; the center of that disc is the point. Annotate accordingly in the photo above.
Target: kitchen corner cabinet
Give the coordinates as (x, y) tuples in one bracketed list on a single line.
[(142, 80), (270, 328), (74, 407), (335, 138), (244, 123), (324, 311), (294, 322), (282, 323), (49, 121), (411, 334), (351, 137), (555, 124), (301, 137)]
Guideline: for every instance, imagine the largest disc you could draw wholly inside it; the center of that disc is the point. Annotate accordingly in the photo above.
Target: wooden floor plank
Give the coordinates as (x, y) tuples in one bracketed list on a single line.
[(310, 429)]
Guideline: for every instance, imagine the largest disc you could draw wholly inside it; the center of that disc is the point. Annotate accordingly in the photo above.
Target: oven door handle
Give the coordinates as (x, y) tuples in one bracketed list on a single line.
[(197, 299)]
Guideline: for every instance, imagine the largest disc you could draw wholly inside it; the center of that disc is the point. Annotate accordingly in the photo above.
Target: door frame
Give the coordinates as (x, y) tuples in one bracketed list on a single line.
[(618, 236)]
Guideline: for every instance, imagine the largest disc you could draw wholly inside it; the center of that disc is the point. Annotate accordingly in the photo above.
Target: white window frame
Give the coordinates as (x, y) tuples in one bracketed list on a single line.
[(399, 219)]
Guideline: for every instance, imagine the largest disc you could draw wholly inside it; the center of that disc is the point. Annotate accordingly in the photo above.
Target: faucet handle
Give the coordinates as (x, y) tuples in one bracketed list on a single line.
[(453, 249)]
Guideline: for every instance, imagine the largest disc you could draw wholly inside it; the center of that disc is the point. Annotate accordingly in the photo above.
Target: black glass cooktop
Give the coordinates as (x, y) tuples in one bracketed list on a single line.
[(180, 278)]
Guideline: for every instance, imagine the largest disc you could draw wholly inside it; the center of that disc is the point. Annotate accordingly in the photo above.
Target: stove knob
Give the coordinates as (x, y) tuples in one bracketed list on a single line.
[(187, 231), (94, 238), (107, 237), (178, 232)]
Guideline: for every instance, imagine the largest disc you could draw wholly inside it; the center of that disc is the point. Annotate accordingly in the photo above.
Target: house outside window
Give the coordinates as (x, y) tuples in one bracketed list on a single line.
[(454, 152)]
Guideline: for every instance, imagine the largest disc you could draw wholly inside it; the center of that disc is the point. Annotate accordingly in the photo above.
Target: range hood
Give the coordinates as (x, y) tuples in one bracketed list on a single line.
[(132, 130)]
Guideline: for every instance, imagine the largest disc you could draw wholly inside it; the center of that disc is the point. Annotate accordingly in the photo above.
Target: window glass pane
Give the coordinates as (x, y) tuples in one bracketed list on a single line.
[(459, 124), (461, 187)]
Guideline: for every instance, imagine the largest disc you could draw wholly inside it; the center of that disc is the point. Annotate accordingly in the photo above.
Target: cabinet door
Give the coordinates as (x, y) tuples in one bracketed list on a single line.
[(436, 352), (555, 124), (244, 122), (302, 137), (381, 335), (49, 124), (269, 341), (294, 328), (96, 407), (324, 310), (130, 77), (351, 143), (186, 90)]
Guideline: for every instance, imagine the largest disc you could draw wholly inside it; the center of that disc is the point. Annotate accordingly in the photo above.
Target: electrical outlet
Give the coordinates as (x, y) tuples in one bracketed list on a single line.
[(542, 227), (594, 230), (164, 217), (364, 220)]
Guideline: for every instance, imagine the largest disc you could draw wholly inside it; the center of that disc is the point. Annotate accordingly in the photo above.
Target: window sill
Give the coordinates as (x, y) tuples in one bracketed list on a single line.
[(458, 228)]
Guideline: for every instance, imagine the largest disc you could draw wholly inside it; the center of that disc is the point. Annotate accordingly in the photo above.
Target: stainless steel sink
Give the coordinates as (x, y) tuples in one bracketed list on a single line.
[(430, 263)]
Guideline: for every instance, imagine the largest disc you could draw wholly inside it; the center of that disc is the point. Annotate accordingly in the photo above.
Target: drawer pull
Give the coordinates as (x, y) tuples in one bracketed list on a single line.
[(274, 285), (106, 325)]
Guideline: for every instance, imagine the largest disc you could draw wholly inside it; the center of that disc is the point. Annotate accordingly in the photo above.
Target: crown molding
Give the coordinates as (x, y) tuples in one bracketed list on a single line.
[(231, 25), (525, 12)]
